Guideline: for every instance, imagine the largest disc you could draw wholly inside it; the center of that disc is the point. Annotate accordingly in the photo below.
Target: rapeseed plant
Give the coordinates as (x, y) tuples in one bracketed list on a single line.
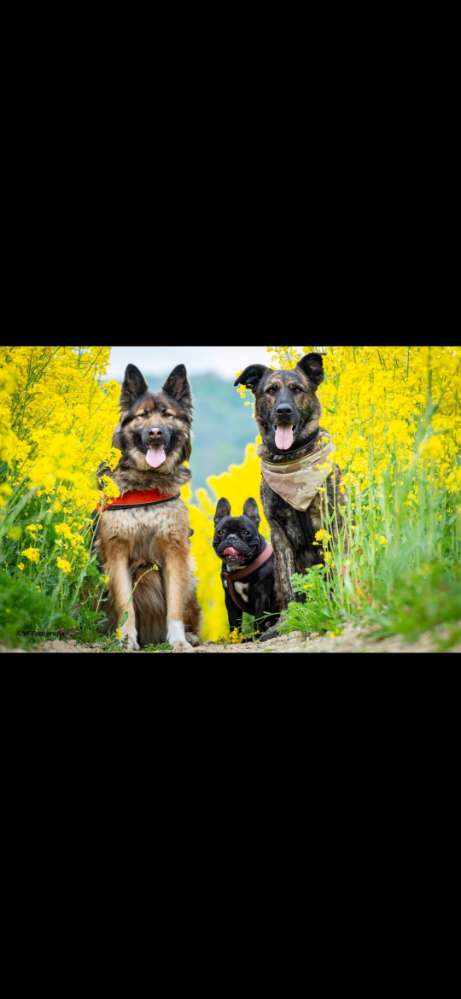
[(56, 424), (394, 417)]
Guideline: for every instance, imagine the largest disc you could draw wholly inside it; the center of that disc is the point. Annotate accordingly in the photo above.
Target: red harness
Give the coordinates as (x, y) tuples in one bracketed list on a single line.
[(229, 577), (138, 497)]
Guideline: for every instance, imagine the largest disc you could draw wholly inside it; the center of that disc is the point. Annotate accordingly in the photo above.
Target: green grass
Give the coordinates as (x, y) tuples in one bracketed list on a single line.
[(396, 567), (27, 615)]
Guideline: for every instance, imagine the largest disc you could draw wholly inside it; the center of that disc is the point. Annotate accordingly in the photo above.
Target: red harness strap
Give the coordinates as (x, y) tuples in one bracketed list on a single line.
[(242, 573), (138, 497)]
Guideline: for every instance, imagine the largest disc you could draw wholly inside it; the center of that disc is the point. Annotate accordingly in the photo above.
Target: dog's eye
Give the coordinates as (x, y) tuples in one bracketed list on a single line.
[(296, 388), (271, 388)]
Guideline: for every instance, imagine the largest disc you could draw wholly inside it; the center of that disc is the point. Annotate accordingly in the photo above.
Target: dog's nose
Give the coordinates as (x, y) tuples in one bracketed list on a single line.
[(155, 433), (284, 409)]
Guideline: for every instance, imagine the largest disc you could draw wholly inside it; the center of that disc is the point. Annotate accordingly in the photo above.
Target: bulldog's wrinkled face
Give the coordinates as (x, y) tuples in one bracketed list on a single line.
[(236, 539), (154, 430), (287, 409)]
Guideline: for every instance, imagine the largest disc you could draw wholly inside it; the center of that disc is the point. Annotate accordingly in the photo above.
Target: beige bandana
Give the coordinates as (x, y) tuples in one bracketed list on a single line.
[(298, 481)]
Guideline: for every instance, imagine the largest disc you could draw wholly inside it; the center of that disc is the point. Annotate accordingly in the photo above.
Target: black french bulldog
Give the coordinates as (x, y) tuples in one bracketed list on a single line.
[(248, 564)]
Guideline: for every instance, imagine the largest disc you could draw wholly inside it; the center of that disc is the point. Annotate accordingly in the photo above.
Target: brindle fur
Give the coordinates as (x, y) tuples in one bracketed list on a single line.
[(296, 388), (130, 541)]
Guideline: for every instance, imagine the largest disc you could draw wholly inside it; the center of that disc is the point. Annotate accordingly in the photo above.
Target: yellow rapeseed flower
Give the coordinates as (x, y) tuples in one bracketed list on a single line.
[(21, 566), (63, 529), (32, 554), (234, 636), (64, 565)]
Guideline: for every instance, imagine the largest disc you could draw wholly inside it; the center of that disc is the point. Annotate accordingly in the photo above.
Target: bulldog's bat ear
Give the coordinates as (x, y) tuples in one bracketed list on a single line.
[(250, 510), (312, 366), (133, 387), (178, 388), (223, 509), (251, 376)]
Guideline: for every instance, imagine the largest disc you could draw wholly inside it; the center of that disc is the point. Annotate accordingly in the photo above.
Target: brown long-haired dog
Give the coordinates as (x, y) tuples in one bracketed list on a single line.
[(154, 436)]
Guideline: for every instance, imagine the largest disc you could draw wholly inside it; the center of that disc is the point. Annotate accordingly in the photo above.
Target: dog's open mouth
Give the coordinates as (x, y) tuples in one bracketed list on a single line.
[(232, 552), (155, 456), (284, 437)]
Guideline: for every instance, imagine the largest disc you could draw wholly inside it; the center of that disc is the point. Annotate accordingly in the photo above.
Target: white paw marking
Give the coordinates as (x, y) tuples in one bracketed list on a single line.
[(177, 638)]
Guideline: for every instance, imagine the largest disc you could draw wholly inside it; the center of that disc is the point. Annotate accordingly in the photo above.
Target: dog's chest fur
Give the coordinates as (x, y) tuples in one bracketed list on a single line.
[(242, 590), (145, 527)]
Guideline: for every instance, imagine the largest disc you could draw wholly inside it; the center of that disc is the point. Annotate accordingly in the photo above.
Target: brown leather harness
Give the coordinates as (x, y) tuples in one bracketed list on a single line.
[(231, 577)]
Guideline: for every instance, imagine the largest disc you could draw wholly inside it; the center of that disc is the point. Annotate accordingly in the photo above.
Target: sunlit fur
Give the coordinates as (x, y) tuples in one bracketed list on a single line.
[(131, 541)]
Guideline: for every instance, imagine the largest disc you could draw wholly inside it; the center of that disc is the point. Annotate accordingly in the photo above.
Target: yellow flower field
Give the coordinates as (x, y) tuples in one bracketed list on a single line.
[(393, 413)]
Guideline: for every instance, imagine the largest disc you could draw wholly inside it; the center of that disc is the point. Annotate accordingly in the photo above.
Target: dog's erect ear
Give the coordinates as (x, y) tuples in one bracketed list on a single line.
[(250, 510), (223, 509), (251, 376), (117, 438), (312, 365), (178, 388), (133, 387)]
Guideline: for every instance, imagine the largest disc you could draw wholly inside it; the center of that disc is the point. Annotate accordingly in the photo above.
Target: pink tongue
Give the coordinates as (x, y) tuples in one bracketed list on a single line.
[(231, 551), (155, 456), (284, 438)]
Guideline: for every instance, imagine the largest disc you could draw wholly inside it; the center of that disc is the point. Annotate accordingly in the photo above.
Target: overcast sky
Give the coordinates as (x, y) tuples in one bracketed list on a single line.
[(224, 361)]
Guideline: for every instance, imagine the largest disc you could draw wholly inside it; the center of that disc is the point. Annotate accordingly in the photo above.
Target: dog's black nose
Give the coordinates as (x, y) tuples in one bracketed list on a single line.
[(284, 409), (155, 434)]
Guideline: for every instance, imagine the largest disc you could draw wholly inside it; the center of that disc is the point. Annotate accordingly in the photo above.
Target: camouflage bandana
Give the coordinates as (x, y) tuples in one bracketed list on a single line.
[(298, 481)]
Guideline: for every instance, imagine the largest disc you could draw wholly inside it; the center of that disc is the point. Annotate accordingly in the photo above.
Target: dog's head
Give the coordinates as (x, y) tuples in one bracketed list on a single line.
[(287, 408), (236, 539), (155, 428)]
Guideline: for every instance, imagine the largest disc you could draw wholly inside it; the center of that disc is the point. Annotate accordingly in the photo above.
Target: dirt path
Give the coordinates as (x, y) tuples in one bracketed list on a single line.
[(352, 639)]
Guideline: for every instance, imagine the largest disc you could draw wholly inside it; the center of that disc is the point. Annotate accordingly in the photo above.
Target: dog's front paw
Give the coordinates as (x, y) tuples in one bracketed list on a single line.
[(182, 647), (271, 632), (129, 640), (177, 638), (192, 639)]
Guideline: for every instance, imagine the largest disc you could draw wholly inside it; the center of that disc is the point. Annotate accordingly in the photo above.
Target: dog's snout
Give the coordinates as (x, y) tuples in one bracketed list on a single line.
[(284, 409), (155, 433)]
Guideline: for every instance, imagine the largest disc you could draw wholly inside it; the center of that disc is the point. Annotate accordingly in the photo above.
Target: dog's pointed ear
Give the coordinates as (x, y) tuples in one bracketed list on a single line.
[(250, 510), (133, 387), (117, 438), (312, 366), (223, 509), (178, 388), (251, 376)]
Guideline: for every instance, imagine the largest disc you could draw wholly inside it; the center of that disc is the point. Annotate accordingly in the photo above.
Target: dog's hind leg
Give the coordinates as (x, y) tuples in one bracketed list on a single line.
[(192, 617)]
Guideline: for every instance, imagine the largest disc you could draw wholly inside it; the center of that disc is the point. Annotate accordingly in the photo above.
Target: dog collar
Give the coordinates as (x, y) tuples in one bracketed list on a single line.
[(249, 569), (138, 497)]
